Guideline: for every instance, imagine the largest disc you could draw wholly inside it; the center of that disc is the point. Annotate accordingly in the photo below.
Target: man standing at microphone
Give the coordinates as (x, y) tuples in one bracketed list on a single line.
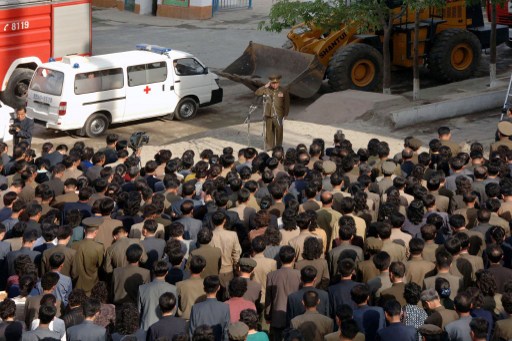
[(276, 105)]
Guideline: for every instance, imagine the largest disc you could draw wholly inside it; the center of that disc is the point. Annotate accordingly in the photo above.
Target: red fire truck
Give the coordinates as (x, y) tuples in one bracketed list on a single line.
[(32, 32), (503, 17)]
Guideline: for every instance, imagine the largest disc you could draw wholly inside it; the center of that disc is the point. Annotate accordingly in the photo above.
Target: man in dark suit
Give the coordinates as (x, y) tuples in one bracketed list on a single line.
[(87, 330), (211, 312), (127, 279), (34, 212), (295, 306), (57, 155), (280, 284), (23, 126), (108, 224), (115, 255), (93, 172), (500, 273), (313, 325), (49, 282), (396, 275), (191, 225), (340, 293), (154, 246), (168, 325), (396, 330), (63, 237), (42, 332), (443, 263), (150, 295), (5, 248), (369, 319), (211, 253), (82, 204), (29, 237)]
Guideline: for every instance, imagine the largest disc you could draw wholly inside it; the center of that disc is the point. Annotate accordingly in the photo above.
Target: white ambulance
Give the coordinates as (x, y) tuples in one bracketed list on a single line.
[(87, 94)]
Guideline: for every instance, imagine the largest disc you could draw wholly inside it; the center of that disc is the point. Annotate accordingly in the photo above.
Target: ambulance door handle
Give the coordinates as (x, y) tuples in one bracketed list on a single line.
[(172, 87), (163, 87)]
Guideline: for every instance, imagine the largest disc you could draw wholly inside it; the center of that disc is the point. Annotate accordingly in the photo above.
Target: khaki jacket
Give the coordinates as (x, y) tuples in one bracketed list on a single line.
[(277, 101)]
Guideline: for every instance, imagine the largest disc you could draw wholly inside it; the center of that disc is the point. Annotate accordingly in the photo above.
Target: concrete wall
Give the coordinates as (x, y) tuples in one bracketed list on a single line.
[(191, 12)]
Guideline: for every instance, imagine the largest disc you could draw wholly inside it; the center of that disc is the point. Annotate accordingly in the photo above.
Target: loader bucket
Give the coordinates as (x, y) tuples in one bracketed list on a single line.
[(302, 73)]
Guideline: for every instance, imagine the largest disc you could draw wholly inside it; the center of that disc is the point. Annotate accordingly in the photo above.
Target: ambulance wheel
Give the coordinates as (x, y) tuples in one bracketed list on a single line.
[(15, 93), (96, 125), (186, 109)]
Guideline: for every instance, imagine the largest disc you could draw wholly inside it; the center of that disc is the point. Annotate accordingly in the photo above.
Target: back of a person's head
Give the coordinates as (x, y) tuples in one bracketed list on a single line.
[(349, 329), (46, 313), (506, 301), (7, 309), (134, 253), (382, 260), (443, 259), (211, 284), (392, 308), (90, 307), (308, 274), (346, 267), (479, 328), (203, 333), (237, 287), (310, 299), (167, 302), (160, 268), (49, 280), (462, 303), (360, 293), (286, 254)]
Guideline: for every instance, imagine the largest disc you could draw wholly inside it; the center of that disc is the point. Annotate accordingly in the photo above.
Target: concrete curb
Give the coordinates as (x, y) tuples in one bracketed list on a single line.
[(447, 109)]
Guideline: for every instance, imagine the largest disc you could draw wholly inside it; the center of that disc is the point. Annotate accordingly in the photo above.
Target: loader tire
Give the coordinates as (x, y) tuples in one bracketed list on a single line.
[(455, 55), (355, 66)]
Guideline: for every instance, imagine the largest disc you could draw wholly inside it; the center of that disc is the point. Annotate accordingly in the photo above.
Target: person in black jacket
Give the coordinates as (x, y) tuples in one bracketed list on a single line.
[(22, 127)]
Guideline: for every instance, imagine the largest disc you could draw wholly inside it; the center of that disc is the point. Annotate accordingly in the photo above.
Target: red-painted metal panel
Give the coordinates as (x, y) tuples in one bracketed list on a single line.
[(503, 14), (26, 31)]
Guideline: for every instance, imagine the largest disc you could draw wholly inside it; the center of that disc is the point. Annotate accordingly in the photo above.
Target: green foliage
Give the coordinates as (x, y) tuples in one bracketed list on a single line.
[(285, 13), (367, 15)]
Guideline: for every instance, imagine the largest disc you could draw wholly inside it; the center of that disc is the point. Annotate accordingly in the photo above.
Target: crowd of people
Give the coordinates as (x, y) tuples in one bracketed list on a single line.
[(312, 243)]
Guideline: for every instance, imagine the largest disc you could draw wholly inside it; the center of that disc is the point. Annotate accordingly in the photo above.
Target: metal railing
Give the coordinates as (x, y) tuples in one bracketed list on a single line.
[(223, 5)]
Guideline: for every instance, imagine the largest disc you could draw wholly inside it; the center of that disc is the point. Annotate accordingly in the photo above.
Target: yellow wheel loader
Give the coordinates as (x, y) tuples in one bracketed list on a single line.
[(450, 43)]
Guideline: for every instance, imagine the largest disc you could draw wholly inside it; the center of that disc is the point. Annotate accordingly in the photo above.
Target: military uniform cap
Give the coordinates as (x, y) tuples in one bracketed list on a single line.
[(430, 329), (329, 167), (388, 167), (247, 262), (92, 221), (505, 128), (414, 143), (238, 331), (373, 243), (275, 78)]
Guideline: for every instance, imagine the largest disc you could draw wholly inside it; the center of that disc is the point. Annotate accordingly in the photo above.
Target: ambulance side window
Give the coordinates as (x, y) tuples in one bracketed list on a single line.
[(104, 80), (147, 73), (157, 72), (137, 75)]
